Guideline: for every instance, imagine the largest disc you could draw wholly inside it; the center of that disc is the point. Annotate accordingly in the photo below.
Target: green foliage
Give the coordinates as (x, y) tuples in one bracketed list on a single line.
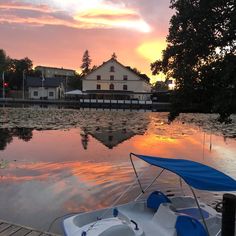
[(201, 55), (160, 86), (86, 62), (4, 61), (75, 82), (16, 69)]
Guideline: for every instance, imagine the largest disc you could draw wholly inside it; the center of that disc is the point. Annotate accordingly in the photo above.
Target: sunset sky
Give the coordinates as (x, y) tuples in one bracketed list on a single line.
[(57, 32)]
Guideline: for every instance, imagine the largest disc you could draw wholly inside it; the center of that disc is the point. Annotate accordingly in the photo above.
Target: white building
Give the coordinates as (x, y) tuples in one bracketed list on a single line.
[(47, 88), (52, 72), (114, 80)]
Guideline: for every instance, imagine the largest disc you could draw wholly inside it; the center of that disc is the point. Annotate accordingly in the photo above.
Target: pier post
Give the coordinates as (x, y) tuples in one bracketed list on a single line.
[(228, 215)]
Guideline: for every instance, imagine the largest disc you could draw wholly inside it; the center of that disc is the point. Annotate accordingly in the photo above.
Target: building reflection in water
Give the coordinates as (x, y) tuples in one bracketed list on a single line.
[(108, 137)]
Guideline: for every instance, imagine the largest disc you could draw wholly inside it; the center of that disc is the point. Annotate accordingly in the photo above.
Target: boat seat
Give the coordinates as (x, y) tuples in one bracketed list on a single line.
[(187, 225), (155, 199), (194, 212)]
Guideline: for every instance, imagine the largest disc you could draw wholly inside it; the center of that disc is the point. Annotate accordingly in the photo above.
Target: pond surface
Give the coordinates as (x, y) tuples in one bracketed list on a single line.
[(54, 162)]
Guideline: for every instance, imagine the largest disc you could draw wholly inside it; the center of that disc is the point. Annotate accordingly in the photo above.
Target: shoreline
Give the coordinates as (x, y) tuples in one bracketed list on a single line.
[(92, 103)]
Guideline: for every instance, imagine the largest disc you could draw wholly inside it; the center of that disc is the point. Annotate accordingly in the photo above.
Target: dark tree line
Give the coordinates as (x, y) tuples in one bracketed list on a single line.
[(201, 56), (13, 69)]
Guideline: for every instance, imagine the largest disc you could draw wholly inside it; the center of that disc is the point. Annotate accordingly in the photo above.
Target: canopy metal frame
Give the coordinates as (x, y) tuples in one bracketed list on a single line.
[(154, 180)]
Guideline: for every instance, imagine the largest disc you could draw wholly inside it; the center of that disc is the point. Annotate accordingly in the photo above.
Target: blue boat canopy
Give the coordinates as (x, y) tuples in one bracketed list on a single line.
[(195, 174)]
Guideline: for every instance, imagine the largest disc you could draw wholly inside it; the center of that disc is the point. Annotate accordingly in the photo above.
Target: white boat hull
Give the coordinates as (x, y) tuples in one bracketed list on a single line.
[(149, 223)]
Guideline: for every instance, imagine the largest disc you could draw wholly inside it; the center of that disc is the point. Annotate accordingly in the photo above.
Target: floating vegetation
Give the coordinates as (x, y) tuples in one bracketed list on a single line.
[(210, 123), (3, 164), (100, 120)]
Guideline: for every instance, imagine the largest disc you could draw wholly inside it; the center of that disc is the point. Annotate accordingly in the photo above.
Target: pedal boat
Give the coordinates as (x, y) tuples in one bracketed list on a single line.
[(158, 214)]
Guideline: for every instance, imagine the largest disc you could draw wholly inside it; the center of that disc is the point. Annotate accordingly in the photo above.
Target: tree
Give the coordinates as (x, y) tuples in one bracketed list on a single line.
[(86, 62), (4, 61), (15, 72), (75, 82), (160, 86), (200, 55), (113, 56)]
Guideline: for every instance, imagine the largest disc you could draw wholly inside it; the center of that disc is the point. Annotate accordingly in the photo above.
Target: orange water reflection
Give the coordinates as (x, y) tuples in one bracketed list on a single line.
[(86, 168)]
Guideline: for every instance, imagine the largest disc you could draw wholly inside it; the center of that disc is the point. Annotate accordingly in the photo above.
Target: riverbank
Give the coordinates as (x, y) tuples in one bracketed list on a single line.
[(91, 103)]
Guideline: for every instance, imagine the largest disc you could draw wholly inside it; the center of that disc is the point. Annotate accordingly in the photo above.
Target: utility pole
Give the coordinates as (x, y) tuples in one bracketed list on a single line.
[(65, 87), (3, 85), (42, 84), (23, 85)]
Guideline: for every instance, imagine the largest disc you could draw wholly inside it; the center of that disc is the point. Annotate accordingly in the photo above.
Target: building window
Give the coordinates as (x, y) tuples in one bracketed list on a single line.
[(111, 77), (125, 87), (111, 86), (112, 69), (98, 86), (98, 77), (51, 94), (125, 77), (35, 93)]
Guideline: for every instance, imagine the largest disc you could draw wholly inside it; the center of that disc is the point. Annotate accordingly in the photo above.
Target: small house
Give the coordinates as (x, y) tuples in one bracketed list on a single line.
[(46, 88)]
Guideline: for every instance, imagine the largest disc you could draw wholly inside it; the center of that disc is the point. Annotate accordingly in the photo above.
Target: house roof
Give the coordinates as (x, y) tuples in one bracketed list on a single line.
[(54, 68), (47, 82), (143, 77)]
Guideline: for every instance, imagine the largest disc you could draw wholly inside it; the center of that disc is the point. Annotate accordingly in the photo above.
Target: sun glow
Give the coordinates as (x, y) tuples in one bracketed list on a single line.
[(152, 50)]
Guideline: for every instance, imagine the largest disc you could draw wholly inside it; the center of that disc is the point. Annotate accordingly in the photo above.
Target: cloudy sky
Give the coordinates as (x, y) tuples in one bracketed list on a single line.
[(57, 32)]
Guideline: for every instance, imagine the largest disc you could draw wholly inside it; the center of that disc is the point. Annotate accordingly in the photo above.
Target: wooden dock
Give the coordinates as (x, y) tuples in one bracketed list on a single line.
[(9, 229)]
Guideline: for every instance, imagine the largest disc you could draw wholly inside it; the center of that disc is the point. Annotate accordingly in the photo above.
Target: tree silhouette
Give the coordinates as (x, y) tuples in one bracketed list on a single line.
[(86, 62), (201, 55), (4, 61)]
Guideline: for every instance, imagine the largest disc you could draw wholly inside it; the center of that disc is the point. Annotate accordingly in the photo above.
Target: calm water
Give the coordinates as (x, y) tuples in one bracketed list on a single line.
[(54, 162)]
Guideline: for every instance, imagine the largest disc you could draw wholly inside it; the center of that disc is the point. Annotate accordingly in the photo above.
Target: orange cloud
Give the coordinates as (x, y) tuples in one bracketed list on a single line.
[(100, 16), (22, 6)]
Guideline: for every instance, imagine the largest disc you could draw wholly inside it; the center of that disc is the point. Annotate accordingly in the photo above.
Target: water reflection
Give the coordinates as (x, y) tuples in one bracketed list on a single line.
[(79, 160), (6, 135)]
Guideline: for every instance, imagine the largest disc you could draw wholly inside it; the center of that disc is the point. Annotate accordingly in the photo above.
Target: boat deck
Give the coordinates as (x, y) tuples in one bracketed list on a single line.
[(9, 229)]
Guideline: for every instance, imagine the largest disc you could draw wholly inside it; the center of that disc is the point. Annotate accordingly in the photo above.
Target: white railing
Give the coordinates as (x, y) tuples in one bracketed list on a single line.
[(112, 101)]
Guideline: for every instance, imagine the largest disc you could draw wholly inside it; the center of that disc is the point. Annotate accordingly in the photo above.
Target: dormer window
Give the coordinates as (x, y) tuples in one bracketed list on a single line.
[(111, 86), (125, 77), (112, 69), (111, 77), (98, 77)]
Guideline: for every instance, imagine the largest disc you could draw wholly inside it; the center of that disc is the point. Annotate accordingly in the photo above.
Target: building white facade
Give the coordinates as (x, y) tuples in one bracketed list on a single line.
[(46, 93), (113, 77), (49, 88)]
